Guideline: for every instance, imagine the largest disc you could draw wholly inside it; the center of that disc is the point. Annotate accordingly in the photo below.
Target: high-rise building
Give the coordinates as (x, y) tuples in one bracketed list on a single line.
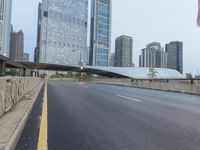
[(140, 61), (198, 17), (100, 38), (62, 32), (5, 26), (16, 45), (39, 25), (124, 51), (175, 55), (112, 60), (36, 55), (26, 57), (153, 56)]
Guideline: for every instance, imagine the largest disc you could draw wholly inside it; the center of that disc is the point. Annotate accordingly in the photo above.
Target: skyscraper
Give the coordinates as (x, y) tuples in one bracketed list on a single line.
[(153, 56), (5, 26), (198, 17), (17, 45), (175, 55), (62, 32), (26, 57), (112, 60), (123, 51), (100, 38)]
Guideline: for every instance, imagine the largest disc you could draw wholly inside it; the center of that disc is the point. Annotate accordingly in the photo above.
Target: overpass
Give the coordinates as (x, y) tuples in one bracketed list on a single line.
[(119, 72), (125, 72), (8, 63)]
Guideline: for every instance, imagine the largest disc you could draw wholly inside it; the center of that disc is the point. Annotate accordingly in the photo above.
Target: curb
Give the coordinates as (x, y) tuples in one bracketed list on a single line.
[(19, 129)]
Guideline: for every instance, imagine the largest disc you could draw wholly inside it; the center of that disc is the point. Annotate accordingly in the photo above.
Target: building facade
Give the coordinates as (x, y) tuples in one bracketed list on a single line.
[(175, 55), (26, 57), (5, 26), (112, 60), (100, 38), (124, 51), (198, 17), (153, 56), (62, 32), (17, 45)]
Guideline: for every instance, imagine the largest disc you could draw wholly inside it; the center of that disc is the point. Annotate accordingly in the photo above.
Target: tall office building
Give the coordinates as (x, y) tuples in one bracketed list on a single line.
[(198, 17), (100, 38), (36, 55), (153, 56), (39, 25), (16, 45), (62, 32), (112, 60), (26, 57), (5, 26), (124, 51), (175, 55)]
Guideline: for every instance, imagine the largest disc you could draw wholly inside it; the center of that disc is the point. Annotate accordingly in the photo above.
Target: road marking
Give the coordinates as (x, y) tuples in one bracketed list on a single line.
[(42, 141), (85, 86), (130, 98)]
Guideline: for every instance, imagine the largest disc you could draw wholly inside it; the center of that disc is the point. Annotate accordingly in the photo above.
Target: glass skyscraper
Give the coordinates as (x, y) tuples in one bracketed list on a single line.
[(100, 38), (5, 26), (62, 32)]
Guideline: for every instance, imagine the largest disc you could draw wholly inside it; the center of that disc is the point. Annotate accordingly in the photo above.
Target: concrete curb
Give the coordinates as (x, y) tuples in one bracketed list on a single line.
[(132, 86), (19, 129)]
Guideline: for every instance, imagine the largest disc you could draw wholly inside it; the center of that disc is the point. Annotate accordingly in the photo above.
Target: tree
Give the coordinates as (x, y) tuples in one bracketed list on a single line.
[(152, 73), (189, 76), (13, 72), (197, 76)]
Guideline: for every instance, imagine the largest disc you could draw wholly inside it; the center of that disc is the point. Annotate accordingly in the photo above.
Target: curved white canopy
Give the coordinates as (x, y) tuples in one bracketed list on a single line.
[(141, 73)]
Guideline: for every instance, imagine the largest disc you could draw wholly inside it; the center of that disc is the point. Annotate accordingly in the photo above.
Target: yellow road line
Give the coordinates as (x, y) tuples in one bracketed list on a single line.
[(43, 134)]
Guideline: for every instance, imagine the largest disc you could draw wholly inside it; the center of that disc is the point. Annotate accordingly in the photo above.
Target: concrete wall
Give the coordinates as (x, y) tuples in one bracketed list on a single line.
[(174, 85), (13, 89), (111, 80), (185, 86)]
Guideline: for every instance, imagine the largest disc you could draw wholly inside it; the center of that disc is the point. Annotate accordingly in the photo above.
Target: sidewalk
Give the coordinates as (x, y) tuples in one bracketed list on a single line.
[(12, 123)]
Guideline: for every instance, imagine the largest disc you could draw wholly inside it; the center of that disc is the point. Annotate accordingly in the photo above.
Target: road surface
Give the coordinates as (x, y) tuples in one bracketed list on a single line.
[(85, 116)]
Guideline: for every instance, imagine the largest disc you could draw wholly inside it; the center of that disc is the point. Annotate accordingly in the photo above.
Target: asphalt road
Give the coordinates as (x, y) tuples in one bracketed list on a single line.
[(103, 117), (85, 116)]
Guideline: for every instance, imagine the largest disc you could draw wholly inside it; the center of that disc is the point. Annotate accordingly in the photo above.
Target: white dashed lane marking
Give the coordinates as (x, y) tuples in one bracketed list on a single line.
[(129, 98)]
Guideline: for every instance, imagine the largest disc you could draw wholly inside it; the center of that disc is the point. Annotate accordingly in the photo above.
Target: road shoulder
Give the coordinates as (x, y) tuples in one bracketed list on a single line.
[(13, 123)]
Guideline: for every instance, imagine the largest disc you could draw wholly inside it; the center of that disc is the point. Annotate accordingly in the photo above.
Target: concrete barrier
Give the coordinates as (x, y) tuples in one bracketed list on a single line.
[(125, 81), (12, 90), (184, 86)]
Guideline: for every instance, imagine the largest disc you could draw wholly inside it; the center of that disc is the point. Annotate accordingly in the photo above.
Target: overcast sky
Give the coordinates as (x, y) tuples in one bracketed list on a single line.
[(145, 20)]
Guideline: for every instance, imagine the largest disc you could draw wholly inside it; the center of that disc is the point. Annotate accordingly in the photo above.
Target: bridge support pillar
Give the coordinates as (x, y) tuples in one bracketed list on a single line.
[(32, 73), (2, 68), (36, 74), (24, 72)]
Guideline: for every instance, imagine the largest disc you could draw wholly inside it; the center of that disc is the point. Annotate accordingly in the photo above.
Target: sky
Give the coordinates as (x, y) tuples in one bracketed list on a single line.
[(145, 20)]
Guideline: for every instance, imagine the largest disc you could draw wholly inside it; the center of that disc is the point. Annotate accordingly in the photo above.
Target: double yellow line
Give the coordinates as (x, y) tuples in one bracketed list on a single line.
[(43, 134)]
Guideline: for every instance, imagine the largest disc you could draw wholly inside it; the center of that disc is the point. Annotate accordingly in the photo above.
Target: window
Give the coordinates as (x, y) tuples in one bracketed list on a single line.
[(45, 14)]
